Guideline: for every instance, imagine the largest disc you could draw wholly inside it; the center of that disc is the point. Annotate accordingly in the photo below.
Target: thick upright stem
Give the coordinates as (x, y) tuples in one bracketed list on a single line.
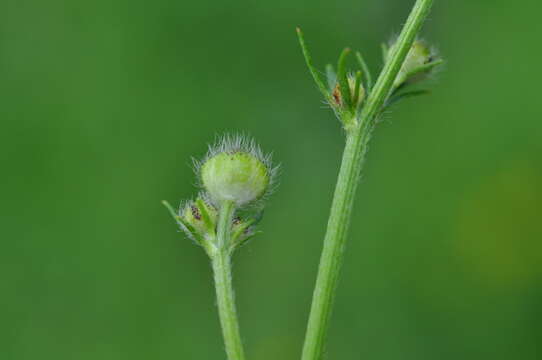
[(221, 261), (332, 252), (352, 162)]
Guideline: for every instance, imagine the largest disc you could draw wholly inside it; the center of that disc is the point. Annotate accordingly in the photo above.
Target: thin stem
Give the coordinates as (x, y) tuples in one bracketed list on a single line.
[(352, 162), (225, 218), (221, 261)]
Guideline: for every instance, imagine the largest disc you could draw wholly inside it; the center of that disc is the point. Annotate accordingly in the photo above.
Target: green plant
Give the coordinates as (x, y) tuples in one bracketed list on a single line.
[(236, 177), (358, 106)]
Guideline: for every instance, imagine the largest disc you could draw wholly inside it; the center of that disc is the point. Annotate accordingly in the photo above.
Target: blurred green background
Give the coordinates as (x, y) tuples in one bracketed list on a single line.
[(103, 103)]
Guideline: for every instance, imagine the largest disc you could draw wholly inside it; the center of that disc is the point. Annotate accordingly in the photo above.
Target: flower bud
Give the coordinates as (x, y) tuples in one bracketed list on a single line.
[(200, 216), (338, 97), (418, 64), (235, 170)]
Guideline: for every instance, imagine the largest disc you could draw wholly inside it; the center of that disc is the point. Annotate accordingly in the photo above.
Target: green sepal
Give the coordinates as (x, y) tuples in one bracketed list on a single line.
[(241, 228), (197, 236), (366, 72), (424, 68), (402, 96), (170, 209), (312, 69), (245, 240), (357, 88), (342, 79), (185, 226), (209, 224)]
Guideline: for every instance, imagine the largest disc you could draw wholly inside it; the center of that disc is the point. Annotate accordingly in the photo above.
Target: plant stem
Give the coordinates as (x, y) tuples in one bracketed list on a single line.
[(221, 261), (225, 218), (357, 140)]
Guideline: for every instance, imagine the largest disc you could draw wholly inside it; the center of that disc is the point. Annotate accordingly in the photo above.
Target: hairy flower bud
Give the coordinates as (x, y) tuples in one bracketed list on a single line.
[(235, 170)]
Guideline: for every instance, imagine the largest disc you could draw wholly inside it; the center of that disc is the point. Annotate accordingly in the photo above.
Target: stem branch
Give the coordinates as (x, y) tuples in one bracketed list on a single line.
[(352, 162)]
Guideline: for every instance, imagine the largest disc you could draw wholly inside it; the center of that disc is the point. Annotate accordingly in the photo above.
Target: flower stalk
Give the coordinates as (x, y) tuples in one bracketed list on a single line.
[(236, 178), (358, 123), (221, 263)]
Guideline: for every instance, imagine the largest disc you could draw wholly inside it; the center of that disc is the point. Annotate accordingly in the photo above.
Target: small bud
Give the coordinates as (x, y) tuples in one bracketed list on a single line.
[(235, 170), (242, 230), (418, 64), (200, 216), (338, 97)]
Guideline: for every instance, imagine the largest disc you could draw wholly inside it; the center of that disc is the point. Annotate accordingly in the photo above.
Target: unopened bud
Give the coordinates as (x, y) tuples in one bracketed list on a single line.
[(235, 170), (200, 216), (417, 65), (338, 97)]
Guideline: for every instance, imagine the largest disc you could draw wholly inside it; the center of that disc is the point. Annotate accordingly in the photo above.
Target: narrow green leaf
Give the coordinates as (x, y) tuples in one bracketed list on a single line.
[(197, 237), (366, 71), (184, 225), (357, 89), (205, 215), (170, 209), (312, 69), (342, 79)]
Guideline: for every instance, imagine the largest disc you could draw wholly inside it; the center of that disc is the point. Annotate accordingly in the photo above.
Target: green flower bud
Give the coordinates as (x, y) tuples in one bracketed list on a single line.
[(338, 97), (419, 63), (201, 216), (197, 219), (235, 170), (244, 227)]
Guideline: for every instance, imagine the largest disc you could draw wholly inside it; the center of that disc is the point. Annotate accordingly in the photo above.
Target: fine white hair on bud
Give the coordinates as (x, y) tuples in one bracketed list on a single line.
[(235, 169)]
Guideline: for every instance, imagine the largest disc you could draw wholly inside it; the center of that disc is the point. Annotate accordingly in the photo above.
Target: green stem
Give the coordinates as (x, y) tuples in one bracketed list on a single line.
[(225, 218), (352, 162), (221, 261)]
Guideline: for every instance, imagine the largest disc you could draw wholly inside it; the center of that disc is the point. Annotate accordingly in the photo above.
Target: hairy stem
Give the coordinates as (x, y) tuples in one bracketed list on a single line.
[(221, 261), (357, 140), (225, 218)]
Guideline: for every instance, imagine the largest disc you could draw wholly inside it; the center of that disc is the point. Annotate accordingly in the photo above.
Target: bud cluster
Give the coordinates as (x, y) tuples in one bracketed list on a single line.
[(356, 88), (347, 92), (234, 174)]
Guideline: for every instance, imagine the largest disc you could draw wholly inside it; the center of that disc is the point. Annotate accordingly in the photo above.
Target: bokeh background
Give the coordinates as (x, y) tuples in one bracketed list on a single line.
[(103, 103)]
